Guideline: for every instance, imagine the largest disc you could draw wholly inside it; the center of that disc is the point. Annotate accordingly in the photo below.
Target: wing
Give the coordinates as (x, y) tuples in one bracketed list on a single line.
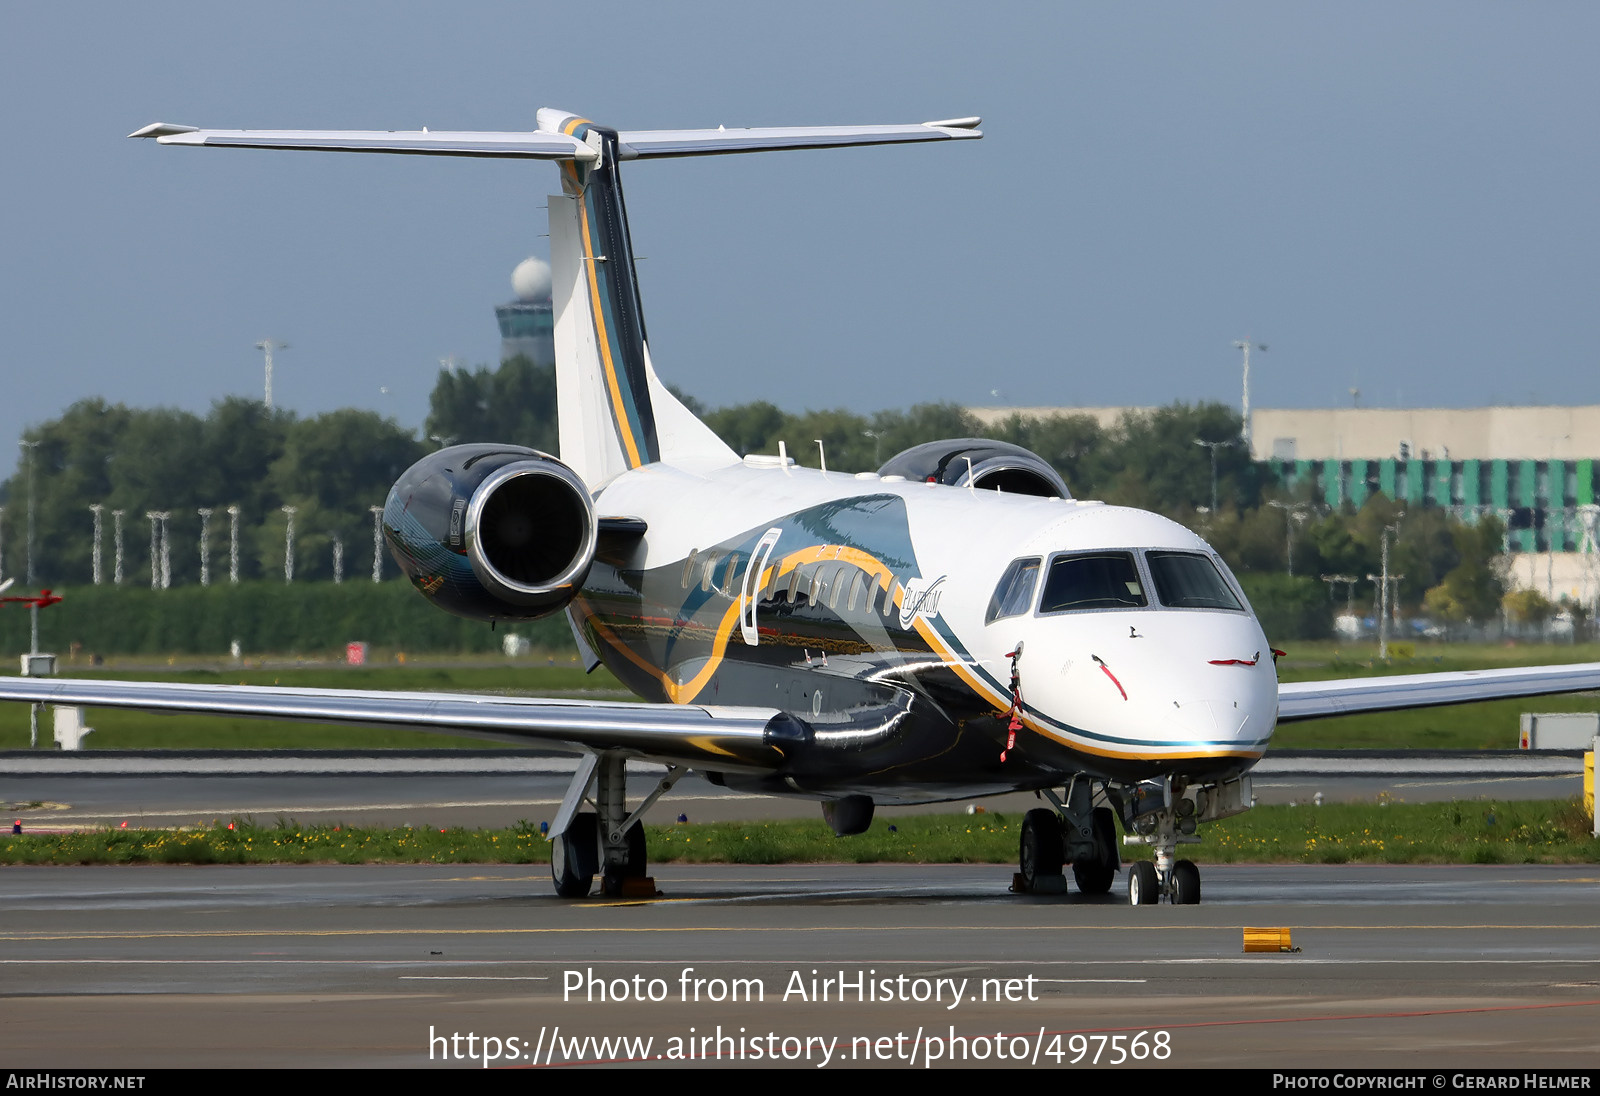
[(1312, 699), (701, 736)]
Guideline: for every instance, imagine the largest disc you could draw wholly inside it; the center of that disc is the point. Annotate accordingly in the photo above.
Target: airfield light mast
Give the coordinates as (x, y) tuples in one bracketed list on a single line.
[(288, 543), (97, 509), (1244, 427), (32, 448), (338, 558), (233, 545), (1292, 512), (205, 545), (377, 543), (267, 346), (116, 524), (160, 553), (1214, 446)]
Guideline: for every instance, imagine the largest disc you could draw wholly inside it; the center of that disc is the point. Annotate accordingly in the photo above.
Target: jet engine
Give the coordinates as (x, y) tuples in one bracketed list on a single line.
[(992, 465), (492, 532)]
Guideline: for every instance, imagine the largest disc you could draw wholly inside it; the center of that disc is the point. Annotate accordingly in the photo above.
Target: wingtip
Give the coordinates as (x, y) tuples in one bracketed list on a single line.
[(956, 123), (163, 129)]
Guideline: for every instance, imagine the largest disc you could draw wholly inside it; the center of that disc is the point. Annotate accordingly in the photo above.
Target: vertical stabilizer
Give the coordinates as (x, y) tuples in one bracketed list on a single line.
[(615, 414)]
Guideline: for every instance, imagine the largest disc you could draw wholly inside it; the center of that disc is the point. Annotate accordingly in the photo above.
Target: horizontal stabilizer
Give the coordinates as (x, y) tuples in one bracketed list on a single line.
[(527, 146), (715, 142), (548, 142)]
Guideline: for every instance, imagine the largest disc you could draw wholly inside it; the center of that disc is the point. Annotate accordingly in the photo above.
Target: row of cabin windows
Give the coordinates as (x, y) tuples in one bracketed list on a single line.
[(842, 587)]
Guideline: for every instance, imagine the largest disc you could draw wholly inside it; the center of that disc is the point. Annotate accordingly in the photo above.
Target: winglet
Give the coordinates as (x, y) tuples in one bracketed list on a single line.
[(955, 123), (163, 129)]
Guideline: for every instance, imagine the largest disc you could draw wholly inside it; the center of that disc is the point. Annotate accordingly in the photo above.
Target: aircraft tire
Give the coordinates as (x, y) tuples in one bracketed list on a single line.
[(1185, 884), (574, 856), (1042, 848), (1144, 889), (1095, 876)]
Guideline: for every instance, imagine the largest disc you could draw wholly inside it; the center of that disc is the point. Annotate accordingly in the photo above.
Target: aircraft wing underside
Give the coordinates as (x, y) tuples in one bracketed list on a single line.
[(749, 740), (1314, 699)]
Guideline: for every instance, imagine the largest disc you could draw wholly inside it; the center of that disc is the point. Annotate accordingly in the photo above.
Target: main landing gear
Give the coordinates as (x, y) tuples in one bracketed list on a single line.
[(608, 841), (1075, 832)]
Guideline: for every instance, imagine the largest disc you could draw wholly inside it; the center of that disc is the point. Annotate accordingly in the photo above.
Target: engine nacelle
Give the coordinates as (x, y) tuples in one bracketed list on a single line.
[(992, 465), (492, 532)]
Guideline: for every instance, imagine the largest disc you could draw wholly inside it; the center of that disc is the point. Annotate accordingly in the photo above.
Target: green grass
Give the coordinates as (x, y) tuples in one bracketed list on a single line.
[(1475, 832)]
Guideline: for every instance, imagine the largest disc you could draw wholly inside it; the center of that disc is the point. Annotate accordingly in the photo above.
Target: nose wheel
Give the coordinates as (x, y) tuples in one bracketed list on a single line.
[(1146, 887)]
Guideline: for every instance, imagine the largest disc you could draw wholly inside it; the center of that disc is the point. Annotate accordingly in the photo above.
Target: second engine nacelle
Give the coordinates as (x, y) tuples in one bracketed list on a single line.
[(982, 462), (492, 532)]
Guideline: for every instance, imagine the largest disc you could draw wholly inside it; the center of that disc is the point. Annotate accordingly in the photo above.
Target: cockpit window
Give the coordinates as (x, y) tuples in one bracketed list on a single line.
[(1185, 580), (1102, 580), (1014, 595)]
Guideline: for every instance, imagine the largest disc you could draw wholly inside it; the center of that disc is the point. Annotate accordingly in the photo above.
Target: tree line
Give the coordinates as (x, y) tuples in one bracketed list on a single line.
[(333, 467)]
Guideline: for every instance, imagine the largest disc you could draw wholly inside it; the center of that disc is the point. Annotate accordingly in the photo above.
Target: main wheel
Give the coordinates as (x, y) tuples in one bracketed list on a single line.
[(1144, 889), (575, 855), (1185, 884), (1042, 848), (1094, 876)]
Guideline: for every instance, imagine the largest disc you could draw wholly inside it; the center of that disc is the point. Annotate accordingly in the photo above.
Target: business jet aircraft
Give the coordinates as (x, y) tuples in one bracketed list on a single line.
[(955, 624)]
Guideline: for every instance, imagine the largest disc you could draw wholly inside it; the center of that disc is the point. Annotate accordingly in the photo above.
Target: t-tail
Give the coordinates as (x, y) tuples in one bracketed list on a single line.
[(615, 414)]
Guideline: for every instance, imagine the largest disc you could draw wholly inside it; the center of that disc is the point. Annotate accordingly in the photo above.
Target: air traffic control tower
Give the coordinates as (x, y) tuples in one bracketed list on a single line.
[(527, 324)]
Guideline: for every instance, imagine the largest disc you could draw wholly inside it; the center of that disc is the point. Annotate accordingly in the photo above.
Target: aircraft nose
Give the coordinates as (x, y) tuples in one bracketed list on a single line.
[(1163, 684)]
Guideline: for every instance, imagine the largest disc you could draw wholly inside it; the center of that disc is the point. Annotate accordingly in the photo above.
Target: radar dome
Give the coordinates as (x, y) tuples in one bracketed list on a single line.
[(530, 281)]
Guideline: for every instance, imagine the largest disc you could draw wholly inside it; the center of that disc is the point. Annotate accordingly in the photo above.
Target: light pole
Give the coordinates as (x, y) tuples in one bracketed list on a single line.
[(1244, 426), (338, 558), (377, 543), (97, 509), (31, 447), (233, 545), (288, 543), (1384, 596), (116, 537), (1214, 446), (267, 346), (205, 545), (1292, 512)]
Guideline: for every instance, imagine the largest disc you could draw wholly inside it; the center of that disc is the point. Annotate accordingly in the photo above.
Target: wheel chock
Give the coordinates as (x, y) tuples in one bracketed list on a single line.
[(632, 886), (1273, 940), (1042, 884)]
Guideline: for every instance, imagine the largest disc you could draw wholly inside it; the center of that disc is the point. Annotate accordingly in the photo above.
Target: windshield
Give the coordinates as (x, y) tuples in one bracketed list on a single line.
[(1102, 580), (1186, 580)]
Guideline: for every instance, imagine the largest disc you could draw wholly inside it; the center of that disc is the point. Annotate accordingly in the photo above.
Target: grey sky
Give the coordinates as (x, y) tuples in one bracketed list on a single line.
[(1396, 196)]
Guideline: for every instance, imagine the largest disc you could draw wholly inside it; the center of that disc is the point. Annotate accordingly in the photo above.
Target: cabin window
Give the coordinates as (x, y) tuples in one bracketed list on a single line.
[(1189, 580), (794, 584), (1013, 596), (706, 571), (730, 577), (818, 587), (838, 586), (1094, 580), (688, 569)]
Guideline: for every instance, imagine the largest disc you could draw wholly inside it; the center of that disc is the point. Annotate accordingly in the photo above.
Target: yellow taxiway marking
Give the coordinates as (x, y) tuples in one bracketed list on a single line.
[(20, 937)]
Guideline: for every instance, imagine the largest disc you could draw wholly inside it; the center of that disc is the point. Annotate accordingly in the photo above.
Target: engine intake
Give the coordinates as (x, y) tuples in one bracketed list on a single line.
[(982, 462), (492, 532)]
